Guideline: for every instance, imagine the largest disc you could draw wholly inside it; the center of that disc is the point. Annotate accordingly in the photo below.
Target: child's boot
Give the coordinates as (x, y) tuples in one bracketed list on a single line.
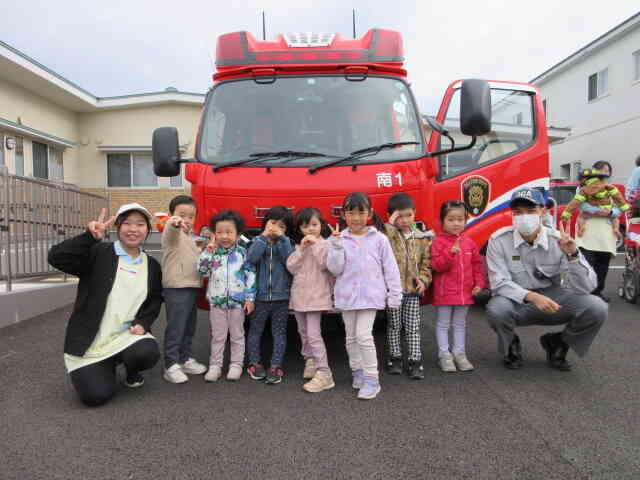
[(394, 366), (174, 374), (462, 362), (321, 381), (358, 376), (370, 388), (234, 373), (445, 362), (416, 370), (213, 374)]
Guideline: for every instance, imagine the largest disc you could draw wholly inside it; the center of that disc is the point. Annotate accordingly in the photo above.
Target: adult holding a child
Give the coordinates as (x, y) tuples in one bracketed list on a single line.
[(119, 297)]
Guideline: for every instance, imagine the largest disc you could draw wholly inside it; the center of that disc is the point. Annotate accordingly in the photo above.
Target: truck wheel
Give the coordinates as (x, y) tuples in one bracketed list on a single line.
[(630, 286)]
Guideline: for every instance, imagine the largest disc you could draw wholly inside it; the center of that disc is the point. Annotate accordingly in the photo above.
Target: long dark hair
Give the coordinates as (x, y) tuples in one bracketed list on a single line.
[(360, 201), (603, 163), (303, 217)]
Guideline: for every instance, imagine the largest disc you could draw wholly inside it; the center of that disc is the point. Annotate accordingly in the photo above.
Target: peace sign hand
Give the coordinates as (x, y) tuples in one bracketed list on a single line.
[(567, 243), (335, 231), (98, 228)]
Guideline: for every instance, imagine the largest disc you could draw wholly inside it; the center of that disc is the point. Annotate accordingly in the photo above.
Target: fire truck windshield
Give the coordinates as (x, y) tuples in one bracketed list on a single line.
[(328, 115)]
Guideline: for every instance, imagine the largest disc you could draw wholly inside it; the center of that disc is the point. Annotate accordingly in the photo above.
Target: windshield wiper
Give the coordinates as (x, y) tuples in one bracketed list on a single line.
[(255, 157), (363, 152)]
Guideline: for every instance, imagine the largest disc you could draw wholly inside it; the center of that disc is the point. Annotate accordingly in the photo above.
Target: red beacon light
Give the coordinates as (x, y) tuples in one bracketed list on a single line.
[(376, 46)]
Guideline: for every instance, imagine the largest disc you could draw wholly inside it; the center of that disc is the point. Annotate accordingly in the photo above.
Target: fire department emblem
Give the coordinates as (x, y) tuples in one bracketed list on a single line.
[(476, 192)]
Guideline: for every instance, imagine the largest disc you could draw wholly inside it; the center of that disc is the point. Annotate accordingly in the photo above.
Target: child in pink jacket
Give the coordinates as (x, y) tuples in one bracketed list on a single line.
[(458, 275), (311, 295)]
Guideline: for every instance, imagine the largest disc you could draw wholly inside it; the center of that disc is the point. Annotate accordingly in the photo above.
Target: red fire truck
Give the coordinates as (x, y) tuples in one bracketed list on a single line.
[(307, 118)]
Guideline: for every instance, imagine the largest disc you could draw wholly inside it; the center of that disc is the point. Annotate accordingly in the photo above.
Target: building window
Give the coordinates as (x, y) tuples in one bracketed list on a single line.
[(47, 162), (636, 65), (19, 156), (177, 182), (598, 84), (130, 170)]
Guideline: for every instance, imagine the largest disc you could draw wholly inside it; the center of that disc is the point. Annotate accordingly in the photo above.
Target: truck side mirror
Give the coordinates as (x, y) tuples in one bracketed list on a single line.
[(166, 152), (475, 107)]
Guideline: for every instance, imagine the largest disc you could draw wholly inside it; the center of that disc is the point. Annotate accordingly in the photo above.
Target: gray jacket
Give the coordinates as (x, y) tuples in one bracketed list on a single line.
[(515, 267)]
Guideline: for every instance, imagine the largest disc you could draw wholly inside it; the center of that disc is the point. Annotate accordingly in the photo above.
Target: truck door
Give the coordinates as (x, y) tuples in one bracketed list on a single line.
[(513, 154)]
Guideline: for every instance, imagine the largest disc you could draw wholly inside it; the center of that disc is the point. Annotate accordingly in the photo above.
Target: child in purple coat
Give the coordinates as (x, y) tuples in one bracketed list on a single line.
[(367, 280)]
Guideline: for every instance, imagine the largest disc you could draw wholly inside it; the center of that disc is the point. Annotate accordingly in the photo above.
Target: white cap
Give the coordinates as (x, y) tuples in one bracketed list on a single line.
[(134, 206)]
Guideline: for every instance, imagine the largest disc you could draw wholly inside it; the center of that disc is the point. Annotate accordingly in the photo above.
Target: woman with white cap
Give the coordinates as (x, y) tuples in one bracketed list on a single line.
[(119, 297)]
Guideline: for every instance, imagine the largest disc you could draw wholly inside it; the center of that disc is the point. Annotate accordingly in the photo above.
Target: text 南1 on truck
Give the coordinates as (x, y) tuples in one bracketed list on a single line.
[(306, 119)]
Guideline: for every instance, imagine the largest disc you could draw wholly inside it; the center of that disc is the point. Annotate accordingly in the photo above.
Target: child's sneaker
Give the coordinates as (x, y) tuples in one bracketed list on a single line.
[(257, 371), (193, 367), (321, 381), (309, 369), (370, 388), (394, 366), (416, 370), (213, 375), (274, 376), (358, 377), (174, 374), (445, 362), (234, 373), (462, 362), (134, 381)]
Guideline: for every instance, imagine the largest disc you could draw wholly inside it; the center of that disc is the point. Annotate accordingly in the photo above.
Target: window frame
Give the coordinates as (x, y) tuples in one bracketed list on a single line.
[(534, 138), (131, 185), (599, 91), (19, 147), (636, 66)]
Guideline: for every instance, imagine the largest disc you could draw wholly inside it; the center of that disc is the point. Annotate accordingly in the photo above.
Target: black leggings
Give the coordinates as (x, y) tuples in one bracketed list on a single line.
[(600, 263), (96, 383)]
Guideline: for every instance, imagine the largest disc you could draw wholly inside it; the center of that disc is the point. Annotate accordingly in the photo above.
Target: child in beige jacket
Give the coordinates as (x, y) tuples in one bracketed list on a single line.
[(311, 295), (181, 282)]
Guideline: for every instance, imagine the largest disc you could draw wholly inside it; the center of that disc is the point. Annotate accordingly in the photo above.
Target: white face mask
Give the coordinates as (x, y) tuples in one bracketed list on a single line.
[(526, 224)]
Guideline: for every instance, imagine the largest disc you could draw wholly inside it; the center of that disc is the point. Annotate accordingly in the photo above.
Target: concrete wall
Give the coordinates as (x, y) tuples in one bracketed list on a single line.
[(605, 128)]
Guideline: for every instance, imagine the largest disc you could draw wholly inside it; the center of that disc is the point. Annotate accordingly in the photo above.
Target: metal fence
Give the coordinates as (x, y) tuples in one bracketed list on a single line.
[(34, 215)]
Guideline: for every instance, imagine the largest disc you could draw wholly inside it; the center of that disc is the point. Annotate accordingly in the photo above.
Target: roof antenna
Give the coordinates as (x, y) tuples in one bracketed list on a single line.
[(264, 31), (354, 22)]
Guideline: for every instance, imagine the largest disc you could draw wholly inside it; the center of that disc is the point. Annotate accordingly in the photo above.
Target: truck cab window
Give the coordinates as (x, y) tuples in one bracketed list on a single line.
[(513, 130), (320, 114)]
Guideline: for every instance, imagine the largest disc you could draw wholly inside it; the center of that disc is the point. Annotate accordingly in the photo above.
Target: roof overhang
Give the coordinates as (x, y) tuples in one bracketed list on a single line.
[(27, 73), (612, 35)]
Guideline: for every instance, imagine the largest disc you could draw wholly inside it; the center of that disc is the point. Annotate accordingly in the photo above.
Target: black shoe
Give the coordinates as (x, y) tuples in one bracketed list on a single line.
[(134, 380), (394, 366), (257, 371), (416, 370), (556, 349), (274, 376), (513, 358)]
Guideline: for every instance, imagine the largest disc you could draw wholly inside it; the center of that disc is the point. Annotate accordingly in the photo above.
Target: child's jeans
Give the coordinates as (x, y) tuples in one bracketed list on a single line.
[(181, 324), (279, 313), (447, 315), (358, 326), (227, 321), (406, 317), (309, 328)]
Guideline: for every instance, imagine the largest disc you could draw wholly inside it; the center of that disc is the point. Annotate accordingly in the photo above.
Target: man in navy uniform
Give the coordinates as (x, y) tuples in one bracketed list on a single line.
[(539, 277)]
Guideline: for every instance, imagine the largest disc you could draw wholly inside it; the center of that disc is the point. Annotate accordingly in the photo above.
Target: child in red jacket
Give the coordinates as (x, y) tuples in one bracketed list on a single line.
[(458, 275)]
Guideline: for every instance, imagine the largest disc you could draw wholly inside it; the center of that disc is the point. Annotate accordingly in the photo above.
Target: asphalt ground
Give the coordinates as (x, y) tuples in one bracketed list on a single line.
[(535, 423)]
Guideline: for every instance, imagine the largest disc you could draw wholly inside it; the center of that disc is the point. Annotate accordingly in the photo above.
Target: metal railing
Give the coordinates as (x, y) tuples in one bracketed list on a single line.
[(35, 215)]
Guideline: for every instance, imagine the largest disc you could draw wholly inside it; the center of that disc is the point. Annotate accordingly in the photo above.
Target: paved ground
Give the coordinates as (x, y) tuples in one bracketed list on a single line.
[(535, 423)]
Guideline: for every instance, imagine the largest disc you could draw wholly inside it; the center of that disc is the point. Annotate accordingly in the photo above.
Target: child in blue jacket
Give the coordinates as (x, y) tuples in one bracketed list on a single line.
[(268, 254)]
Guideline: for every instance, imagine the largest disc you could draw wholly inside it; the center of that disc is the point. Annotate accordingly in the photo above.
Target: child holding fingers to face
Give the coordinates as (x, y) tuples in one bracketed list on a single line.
[(231, 292)]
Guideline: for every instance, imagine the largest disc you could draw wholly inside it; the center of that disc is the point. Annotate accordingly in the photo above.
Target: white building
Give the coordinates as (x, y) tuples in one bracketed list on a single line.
[(596, 92)]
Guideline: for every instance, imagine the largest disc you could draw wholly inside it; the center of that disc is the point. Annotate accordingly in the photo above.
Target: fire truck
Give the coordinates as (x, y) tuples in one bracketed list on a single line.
[(307, 118)]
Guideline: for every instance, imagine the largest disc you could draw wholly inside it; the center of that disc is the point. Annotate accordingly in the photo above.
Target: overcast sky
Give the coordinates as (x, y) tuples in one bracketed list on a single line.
[(133, 46)]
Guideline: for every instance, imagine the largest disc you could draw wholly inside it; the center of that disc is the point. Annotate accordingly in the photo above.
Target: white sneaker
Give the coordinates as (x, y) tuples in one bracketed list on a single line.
[(234, 373), (174, 374), (462, 362), (192, 367), (445, 362), (214, 373)]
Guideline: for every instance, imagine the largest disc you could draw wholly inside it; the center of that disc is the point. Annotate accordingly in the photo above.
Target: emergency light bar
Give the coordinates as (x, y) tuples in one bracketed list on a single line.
[(376, 46)]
